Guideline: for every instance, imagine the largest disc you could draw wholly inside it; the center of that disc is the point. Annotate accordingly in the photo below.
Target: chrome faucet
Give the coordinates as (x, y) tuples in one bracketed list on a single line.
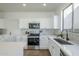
[(61, 35), (67, 38)]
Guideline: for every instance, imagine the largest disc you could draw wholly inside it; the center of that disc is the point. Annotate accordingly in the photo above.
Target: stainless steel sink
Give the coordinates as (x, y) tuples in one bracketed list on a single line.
[(63, 42)]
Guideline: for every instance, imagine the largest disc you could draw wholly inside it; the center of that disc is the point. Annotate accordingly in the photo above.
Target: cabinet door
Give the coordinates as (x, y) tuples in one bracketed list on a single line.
[(49, 45), (43, 42), (46, 23), (53, 48), (2, 23), (56, 51), (56, 23)]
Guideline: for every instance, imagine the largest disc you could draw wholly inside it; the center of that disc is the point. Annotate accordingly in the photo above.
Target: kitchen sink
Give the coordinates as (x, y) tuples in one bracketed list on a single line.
[(62, 41)]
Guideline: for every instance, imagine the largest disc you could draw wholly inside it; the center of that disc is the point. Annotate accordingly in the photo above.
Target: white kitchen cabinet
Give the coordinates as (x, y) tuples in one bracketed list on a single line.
[(43, 42), (23, 23), (53, 48), (46, 23), (56, 50), (2, 23), (55, 22)]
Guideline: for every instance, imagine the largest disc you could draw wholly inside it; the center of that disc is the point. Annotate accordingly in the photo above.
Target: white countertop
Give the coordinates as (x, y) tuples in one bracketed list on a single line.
[(70, 50), (73, 50)]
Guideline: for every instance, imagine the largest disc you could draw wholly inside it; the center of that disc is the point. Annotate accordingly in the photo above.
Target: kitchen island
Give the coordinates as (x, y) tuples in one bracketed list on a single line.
[(12, 48), (12, 45)]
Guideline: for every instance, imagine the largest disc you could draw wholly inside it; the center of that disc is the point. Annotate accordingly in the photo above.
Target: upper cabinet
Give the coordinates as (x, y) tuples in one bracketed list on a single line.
[(56, 22), (23, 23), (67, 17), (2, 23), (45, 23)]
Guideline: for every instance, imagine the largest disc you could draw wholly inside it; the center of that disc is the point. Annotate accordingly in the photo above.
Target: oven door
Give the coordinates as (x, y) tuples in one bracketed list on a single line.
[(33, 41)]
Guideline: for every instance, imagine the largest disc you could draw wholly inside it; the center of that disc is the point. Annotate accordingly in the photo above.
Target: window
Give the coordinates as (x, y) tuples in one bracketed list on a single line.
[(67, 17)]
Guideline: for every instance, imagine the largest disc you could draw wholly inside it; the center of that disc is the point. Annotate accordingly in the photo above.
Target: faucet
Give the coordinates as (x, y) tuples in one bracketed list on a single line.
[(61, 35), (67, 38)]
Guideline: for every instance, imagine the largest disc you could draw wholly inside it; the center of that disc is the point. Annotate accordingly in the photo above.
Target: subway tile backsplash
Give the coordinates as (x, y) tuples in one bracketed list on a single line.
[(74, 37), (43, 31)]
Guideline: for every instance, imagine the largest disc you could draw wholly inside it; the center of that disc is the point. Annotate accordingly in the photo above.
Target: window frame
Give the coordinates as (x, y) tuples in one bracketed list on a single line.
[(63, 16)]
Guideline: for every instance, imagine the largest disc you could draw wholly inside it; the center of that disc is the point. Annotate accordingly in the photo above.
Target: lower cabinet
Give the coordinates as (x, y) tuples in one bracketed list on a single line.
[(53, 48), (43, 42), (47, 43)]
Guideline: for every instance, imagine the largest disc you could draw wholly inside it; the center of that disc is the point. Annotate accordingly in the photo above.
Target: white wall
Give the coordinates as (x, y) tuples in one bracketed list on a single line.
[(11, 19)]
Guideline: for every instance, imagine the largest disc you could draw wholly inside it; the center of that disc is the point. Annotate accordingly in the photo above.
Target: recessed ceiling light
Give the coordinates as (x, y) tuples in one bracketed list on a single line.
[(44, 4), (24, 4)]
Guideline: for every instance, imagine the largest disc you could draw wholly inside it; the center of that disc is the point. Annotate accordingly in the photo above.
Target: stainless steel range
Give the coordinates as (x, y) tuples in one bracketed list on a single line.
[(33, 39)]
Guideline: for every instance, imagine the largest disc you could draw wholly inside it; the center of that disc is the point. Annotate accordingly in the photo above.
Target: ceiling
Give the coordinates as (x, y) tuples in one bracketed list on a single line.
[(7, 7)]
